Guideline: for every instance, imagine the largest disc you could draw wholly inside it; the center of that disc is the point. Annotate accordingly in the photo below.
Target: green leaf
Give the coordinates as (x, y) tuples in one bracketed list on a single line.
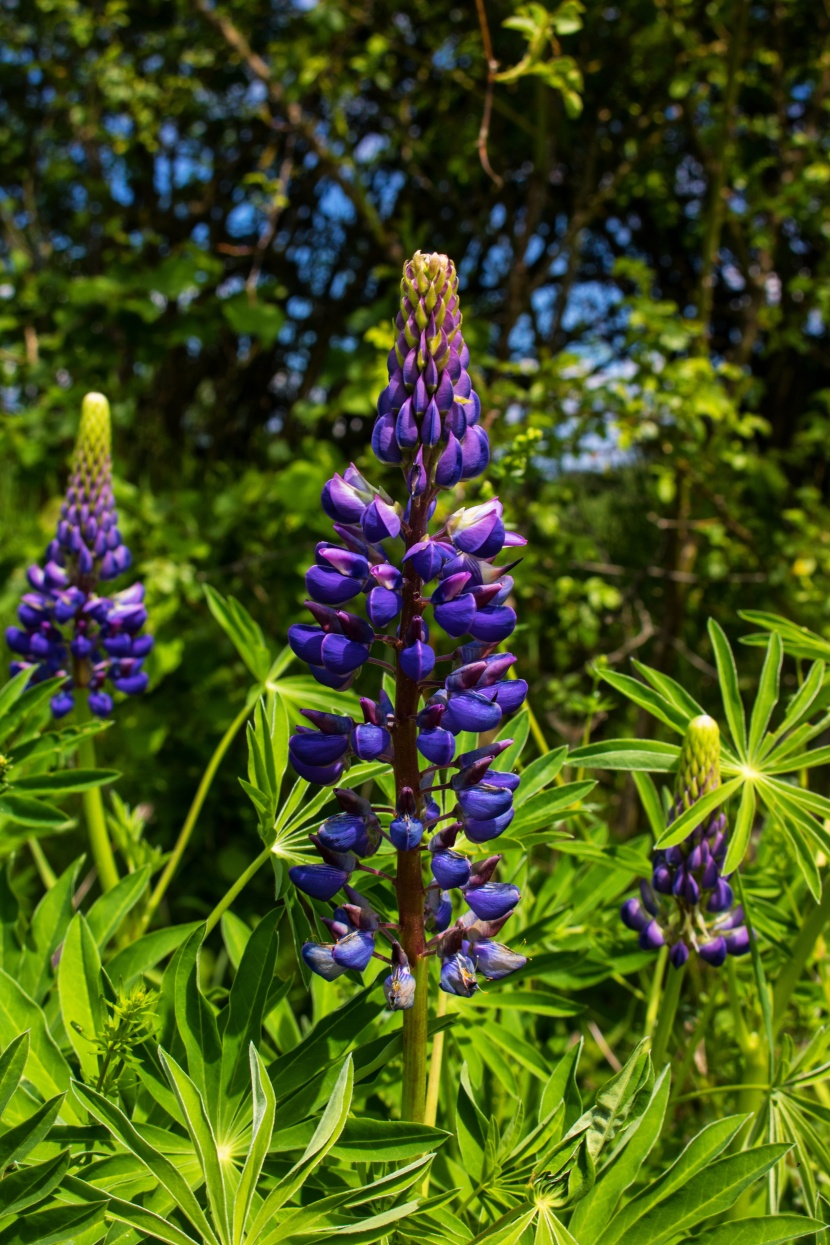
[(79, 991), (777, 1230), (62, 1225), (696, 1157), (651, 802), (540, 773), (197, 1025), (596, 1209), (362, 1140), (698, 812), (767, 697), (627, 754), (201, 1134), (29, 1185), (518, 730), (669, 688), (18, 1141), (46, 933), (25, 810), (326, 1134), (798, 707), (148, 1223), (245, 1011), (798, 641), (562, 1087), (548, 806), (145, 953), (245, 634), (264, 1109), (733, 706), (739, 839), (12, 1063), (167, 1174), (648, 699), (12, 691), (65, 781), (708, 1193), (46, 1067), (106, 914), (530, 1002)]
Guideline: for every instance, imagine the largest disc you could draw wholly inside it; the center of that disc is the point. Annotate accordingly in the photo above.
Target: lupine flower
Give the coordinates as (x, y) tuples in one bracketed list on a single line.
[(384, 552), (688, 904), (67, 629)]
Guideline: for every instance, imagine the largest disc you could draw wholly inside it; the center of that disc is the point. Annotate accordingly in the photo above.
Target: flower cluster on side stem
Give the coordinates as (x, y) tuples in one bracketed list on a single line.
[(414, 583), (689, 903), (67, 629)]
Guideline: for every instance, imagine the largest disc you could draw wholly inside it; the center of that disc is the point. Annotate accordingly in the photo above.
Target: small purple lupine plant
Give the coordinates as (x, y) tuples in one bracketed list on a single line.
[(428, 425), (689, 902), (68, 629)]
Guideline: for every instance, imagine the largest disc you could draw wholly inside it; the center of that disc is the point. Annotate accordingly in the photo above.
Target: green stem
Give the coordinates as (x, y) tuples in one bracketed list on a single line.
[(802, 949), (656, 991), (47, 874), (238, 886), (413, 1088), (193, 815), (96, 822), (434, 1083), (668, 1010), (701, 1026)]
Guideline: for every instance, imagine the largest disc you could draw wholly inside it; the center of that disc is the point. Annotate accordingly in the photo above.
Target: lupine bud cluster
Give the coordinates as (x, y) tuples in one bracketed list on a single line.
[(689, 902), (414, 584), (67, 629)]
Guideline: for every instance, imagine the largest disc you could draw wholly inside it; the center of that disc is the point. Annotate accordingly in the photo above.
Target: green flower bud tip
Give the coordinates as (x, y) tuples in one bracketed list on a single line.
[(93, 445), (698, 771)]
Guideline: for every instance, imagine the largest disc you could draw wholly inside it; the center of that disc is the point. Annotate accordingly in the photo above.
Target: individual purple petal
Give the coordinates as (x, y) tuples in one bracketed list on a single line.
[(679, 954), (713, 952), (737, 940), (494, 960), (339, 655), (469, 711), (306, 642), (492, 900), (370, 742), (458, 976), (651, 937), (318, 881), (384, 440), (417, 661), (634, 916), (329, 587), (399, 989), (380, 522), (475, 452), (494, 623), (319, 959), (355, 950), (437, 745), (450, 869)]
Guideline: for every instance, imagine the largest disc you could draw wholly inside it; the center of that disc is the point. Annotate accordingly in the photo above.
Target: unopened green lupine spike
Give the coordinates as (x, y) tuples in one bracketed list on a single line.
[(698, 770)]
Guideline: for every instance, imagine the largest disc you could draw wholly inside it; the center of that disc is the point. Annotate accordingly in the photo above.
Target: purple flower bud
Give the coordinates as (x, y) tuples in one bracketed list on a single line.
[(713, 952), (483, 831), (437, 745), (417, 661), (100, 704), (456, 616), (428, 557), (355, 950), (319, 959), (494, 960), (450, 464), (384, 440), (329, 587), (737, 940), (458, 976), (399, 989), (721, 898), (18, 640), (382, 605), (340, 655), (494, 623), (380, 522), (651, 937), (406, 427), (345, 833), (492, 900), (323, 775), (450, 869), (369, 741), (484, 801), (62, 704), (306, 642), (316, 748), (679, 954), (633, 915), (471, 712), (318, 881), (437, 910), (431, 425), (417, 479), (406, 832), (131, 685)]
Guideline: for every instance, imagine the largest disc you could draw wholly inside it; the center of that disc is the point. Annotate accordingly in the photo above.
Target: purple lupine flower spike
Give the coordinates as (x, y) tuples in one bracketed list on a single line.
[(688, 903), (386, 550), (69, 630)]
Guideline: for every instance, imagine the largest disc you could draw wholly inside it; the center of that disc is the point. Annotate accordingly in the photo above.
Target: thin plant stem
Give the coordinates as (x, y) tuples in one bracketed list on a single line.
[(692, 1045), (238, 886), (96, 822), (434, 1083), (193, 815), (656, 992), (47, 874), (668, 1011)]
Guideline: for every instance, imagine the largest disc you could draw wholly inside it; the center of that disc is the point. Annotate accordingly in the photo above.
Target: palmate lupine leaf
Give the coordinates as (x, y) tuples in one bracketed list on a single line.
[(754, 764), (80, 991)]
